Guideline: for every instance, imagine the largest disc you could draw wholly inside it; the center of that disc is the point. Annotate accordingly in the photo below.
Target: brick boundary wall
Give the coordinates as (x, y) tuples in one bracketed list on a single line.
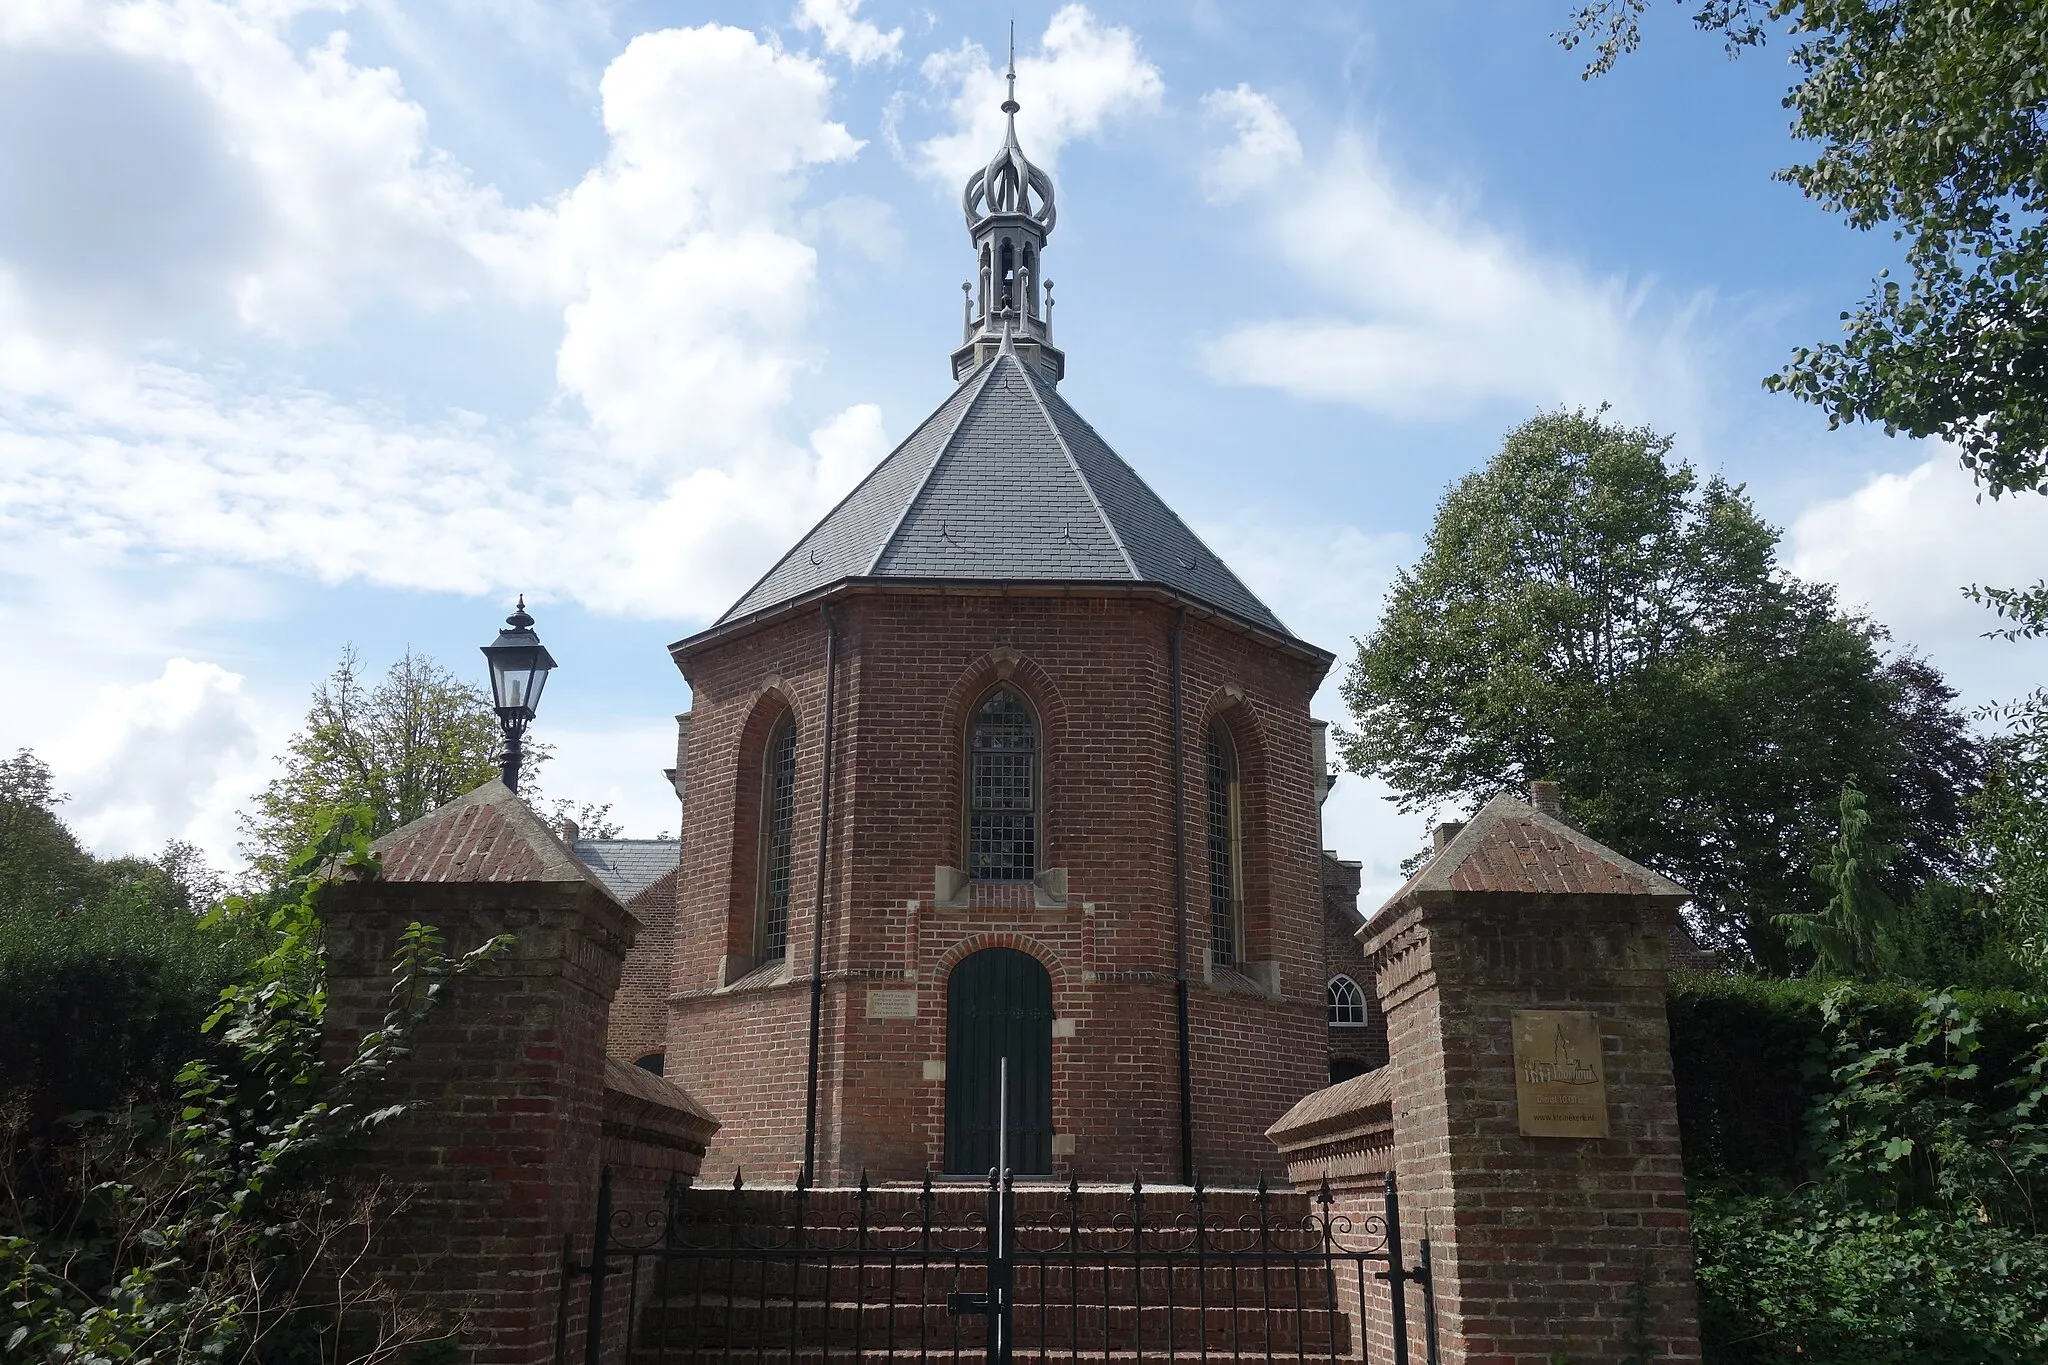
[(498, 1158), (1345, 1135), (1541, 1245), (515, 1105)]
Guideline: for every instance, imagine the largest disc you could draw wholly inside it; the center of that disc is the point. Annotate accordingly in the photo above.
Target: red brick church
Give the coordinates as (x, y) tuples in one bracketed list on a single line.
[(1001, 771)]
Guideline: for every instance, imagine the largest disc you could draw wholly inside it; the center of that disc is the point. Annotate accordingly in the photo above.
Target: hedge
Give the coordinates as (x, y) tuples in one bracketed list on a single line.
[(1750, 1057), (104, 1004)]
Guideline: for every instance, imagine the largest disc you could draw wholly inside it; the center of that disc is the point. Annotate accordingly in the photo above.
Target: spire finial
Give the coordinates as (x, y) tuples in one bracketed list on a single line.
[(1010, 105)]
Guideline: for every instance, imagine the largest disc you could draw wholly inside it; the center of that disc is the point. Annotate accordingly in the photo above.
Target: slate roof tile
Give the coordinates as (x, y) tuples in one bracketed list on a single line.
[(1005, 481), (628, 866)]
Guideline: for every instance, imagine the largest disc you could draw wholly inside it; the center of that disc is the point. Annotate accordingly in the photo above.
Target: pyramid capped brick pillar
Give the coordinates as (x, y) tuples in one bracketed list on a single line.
[(1573, 1244), (498, 1158)]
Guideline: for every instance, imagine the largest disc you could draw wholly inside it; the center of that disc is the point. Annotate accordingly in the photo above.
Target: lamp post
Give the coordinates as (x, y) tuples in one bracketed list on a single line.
[(520, 665)]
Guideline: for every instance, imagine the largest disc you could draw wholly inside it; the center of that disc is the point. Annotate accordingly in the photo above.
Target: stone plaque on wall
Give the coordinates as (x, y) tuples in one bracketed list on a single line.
[(1560, 1087), (883, 1004)]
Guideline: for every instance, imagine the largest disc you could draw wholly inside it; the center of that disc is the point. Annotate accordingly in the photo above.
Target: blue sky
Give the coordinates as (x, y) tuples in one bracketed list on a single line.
[(330, 323)]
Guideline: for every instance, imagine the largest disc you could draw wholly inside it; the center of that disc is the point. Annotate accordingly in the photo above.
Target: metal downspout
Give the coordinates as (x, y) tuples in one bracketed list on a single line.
[(1180, 906), (818, 899)]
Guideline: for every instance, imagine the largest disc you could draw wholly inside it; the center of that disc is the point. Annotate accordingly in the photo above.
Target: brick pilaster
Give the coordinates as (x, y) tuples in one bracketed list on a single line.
[(498, 1158), (1541, 1244)]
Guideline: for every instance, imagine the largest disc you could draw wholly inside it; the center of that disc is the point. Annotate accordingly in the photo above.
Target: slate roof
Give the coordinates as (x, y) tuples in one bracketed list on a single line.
[(628, 866), (1005, 482), (485, 835)]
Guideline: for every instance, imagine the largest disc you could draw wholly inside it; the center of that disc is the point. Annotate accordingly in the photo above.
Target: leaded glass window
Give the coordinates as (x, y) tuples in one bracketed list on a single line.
[(1347, 1002), (778, 811), (1223, 850), (1002, 797)]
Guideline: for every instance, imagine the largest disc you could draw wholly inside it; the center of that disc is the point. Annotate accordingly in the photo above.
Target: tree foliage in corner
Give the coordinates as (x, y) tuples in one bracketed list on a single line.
[(1931, 119), (225, 1229), (1586, 612), (416, 739)]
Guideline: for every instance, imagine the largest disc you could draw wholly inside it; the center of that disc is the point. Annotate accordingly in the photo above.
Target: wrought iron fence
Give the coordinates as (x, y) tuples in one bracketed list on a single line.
[(954, 1272)]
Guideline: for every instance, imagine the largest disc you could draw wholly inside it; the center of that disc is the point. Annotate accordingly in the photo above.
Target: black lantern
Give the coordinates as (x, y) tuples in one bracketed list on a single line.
[(520, 665)]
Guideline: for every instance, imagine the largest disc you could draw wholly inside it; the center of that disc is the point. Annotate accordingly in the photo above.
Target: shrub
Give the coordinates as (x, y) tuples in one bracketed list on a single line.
[(1919, 1236), (105, 1003), (228, 1228), (1751, 1058), (1798, 1277)]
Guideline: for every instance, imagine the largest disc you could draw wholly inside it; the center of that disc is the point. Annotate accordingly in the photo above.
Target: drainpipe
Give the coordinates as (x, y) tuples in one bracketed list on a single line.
[(1180, 905), (818, 899)]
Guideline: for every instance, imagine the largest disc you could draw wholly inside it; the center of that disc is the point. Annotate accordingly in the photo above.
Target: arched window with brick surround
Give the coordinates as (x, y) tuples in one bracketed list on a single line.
[(1347, 1003), (1226, 849), (1002, 789), (778, 821)]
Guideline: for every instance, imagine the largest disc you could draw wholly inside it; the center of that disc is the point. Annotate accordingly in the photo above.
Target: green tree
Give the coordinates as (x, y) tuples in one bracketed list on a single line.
[(43, 868), (2011, 828), (1586, 612), (1848, 935), (420, 737), (226, 1227), (1931, 119)]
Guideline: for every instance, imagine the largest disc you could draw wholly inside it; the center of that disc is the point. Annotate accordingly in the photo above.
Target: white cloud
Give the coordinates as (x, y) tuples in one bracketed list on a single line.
[(689, 286), (1087, 73), (1264, 144), (1903, 546), (192, 145), (839, 25), (679, 266), (165, 759), (1425, 311)]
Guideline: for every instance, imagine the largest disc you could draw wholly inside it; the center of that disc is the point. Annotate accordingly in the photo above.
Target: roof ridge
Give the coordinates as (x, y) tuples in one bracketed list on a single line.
[(1171, 511), (938, 458), (1108, 524), (832, 511)]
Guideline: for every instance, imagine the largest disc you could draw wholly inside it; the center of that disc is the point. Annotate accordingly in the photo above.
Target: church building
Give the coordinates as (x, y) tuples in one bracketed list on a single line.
[(1000, 774)]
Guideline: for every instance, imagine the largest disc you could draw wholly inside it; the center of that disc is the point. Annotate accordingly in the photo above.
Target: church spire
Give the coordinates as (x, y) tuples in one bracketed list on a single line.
[(1010, 213)]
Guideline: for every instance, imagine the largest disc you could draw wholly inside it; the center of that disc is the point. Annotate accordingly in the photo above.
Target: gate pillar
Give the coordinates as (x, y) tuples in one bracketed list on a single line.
[(1523, 975), (498, 1158)]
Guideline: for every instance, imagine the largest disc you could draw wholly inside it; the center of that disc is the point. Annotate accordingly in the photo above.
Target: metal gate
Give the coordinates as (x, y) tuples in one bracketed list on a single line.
[(996, 1272)]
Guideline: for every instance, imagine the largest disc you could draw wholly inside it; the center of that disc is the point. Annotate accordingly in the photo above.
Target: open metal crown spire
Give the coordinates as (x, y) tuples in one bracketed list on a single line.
[(1010, 213), (1010, 183)]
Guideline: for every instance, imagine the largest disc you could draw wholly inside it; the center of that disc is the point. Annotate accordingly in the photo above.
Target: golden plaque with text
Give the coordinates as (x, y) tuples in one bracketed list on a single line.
[(1560, 1089)]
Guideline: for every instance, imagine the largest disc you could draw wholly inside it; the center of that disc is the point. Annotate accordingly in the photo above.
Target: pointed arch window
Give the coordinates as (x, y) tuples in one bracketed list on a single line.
[(1347, 1003), (778, 818), (1226, 919), (1002, 790)]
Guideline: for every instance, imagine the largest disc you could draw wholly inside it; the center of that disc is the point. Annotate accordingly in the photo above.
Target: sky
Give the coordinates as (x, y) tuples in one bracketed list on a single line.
[(333, 324)]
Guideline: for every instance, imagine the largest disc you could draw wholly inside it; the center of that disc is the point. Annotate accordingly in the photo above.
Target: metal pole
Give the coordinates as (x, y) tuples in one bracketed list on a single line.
[(1427, 1274), (1180, 907), (515, 751), (1397, 1274), (818, 901), (600, 1252), (999, 1273)]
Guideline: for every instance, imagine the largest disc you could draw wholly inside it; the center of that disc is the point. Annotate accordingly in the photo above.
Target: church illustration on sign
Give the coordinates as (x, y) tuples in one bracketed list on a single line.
[(1000, 763)]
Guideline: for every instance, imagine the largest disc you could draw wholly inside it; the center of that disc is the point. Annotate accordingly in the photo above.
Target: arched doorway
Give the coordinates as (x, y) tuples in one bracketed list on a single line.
[(998, 1005)]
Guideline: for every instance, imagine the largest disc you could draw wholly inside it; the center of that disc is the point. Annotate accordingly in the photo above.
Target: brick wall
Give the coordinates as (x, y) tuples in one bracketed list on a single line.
[(1095, 670), (499, 1157), (1540, 1241), (639, 1014), (1354, 1049), (514, 1105)]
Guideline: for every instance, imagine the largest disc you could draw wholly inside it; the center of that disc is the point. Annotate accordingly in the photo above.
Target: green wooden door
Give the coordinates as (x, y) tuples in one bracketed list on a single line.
[(998, 1005)]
